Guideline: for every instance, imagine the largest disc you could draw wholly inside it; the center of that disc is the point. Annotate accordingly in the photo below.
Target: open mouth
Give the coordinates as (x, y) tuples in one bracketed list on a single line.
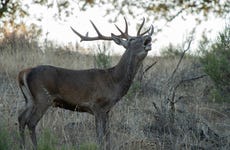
[(147, 43)]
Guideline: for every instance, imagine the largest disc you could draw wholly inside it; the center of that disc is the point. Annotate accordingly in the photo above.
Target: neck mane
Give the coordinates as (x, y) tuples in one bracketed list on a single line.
[(125, 71)]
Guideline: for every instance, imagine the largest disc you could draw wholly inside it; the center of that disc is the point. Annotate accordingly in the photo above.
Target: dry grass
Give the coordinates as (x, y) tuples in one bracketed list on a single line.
[(140, 120)]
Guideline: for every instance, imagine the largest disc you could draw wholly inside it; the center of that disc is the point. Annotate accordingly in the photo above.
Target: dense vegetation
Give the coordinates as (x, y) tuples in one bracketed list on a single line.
[(216, 61)]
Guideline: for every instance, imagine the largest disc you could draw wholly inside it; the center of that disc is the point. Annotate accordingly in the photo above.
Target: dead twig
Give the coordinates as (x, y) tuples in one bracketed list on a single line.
[(144, 71), (190, 39), (173, 101), (149, 67), (156, 107)]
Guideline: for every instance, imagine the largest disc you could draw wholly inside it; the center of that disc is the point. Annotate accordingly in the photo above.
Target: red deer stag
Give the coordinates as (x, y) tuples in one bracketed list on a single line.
[(94, 91)]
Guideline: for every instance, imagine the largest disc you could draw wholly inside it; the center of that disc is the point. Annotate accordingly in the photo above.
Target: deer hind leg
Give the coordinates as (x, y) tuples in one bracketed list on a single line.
[(38, 111), (24, 115), (22, 119)]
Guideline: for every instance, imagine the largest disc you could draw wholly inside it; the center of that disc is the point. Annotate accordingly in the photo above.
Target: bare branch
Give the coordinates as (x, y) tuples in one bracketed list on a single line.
[(190, 39), (176, 15), (149, 67), (183, 81), (155, 106)]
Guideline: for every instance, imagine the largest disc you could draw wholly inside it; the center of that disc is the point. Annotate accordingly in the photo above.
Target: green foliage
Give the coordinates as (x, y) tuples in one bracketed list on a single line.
[(84, 146), (88, 146), (5, 142), (102, 59), (167, 9), (8, 7), (11, 8), (216, 61), (47, 140)]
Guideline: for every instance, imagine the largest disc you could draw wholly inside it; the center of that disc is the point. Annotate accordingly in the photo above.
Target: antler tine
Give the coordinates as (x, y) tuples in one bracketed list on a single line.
[(80, 35), (151, 29), (100, 36), (145, 32), (123, 34), (139, 30), (94, 26), (119, 29), (126, 26)]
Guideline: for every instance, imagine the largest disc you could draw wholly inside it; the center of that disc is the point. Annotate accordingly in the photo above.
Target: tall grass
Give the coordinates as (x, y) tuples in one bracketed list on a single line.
[(9, 137), (47, 140), (6, 141)]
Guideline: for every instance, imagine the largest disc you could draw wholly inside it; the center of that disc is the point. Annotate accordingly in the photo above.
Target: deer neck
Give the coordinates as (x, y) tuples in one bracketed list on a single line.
[(125, 71)]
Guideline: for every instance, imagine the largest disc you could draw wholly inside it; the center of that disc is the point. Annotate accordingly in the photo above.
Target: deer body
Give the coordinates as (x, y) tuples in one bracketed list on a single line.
[(74, 93), (94, 91)]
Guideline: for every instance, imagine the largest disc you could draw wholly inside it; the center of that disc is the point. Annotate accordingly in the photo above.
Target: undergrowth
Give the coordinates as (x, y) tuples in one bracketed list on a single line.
[(6, 143), (216, 62)]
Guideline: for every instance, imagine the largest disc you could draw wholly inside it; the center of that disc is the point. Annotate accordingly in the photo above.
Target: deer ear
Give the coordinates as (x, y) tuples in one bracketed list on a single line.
[(119, 40)]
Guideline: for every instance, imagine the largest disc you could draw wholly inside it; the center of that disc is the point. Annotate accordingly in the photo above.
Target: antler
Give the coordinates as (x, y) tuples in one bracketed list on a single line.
[(124, 35), (102, 37), (139, 30), (87, 38)]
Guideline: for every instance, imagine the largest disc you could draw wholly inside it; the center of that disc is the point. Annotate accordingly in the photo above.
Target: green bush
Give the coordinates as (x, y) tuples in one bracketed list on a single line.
[(102, 59), (216, 62)]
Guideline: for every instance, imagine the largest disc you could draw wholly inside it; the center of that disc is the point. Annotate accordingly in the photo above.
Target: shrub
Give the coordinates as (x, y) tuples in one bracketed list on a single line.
[(102, 59), (216, 62)]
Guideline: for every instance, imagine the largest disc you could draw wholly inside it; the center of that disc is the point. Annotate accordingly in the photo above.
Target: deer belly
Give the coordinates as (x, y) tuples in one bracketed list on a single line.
[(74, 107)]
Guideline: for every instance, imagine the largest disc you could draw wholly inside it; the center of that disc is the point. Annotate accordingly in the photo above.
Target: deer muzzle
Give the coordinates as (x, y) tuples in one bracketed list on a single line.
[(148, 43)]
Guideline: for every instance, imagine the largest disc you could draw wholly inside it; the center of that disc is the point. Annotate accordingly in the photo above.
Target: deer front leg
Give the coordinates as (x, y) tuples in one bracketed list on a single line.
[(102, 127)]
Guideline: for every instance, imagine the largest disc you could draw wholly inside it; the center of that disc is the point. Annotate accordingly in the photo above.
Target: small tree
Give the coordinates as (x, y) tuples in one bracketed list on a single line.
[(216, 61)]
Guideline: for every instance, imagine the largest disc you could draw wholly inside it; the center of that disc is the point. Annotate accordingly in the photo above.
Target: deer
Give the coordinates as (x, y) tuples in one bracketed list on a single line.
[(94, 91)]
